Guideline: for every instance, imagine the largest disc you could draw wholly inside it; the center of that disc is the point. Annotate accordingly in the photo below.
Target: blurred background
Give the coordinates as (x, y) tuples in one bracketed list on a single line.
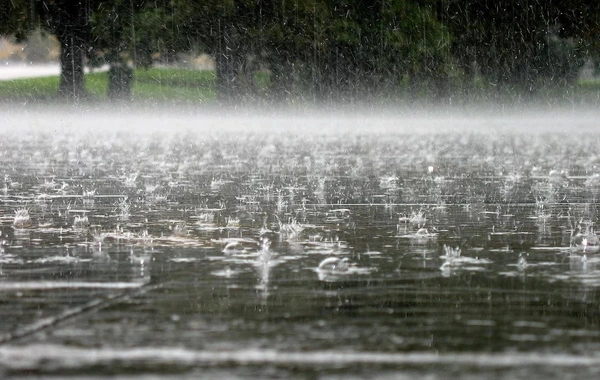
[(303, 51)]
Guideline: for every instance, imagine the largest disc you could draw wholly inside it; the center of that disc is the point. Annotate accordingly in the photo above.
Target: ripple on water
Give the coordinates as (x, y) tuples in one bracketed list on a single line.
[(207, 201), (49, 285), (62, 358)]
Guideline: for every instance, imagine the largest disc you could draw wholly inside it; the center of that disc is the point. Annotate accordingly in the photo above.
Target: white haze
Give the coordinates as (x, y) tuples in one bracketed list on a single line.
[(22, 120)]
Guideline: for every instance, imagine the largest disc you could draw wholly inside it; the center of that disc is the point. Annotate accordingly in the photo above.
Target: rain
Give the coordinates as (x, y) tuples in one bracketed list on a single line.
[(301, 188)]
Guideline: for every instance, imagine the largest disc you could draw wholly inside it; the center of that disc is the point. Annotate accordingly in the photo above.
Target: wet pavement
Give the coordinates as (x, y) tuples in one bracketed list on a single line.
[(305, 255)]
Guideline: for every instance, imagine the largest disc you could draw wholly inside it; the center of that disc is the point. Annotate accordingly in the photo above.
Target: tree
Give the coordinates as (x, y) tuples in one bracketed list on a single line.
[(116, 33), (67, 20), (15, 19), (357, 48), (521, 44), (330, 49)]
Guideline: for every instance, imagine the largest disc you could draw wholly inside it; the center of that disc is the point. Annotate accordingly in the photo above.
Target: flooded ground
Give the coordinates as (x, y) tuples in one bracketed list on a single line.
[(370, 248)]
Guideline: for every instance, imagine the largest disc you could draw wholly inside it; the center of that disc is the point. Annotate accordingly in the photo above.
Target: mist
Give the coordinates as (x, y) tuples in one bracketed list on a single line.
[(20, 120)]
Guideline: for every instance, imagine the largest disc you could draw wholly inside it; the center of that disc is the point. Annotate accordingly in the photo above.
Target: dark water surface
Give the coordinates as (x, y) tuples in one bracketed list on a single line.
[(264, 254)]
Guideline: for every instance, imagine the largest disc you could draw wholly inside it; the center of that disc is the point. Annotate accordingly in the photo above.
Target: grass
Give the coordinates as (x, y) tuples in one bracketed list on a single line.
[(38, 88), (160, 85), (154, 84), (176, 77)]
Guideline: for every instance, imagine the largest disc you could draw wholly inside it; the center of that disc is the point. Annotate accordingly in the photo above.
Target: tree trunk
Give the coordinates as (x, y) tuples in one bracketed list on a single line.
[(227, 63), (68, 21), (282, 79), (119, 81), (72, 52), (227, 77)]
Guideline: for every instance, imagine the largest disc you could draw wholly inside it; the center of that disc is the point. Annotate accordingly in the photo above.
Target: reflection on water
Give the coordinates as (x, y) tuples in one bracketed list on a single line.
[(272, 249)]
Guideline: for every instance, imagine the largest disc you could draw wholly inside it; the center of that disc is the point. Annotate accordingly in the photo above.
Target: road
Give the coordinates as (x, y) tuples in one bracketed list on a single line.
[(11, 70), (17, 70)]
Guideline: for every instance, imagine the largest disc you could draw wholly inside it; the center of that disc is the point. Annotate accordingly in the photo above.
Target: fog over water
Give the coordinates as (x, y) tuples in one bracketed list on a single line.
[(146, 119)]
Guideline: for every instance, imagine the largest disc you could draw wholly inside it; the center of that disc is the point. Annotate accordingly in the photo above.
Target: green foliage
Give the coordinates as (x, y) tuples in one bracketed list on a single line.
[(521, 44), (15, 18)]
